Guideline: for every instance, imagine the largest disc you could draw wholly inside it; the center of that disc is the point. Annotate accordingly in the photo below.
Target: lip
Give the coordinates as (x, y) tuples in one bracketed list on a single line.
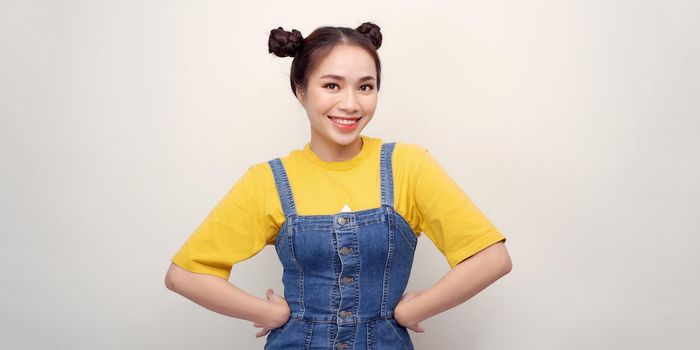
[(343, 126), (346, 118)]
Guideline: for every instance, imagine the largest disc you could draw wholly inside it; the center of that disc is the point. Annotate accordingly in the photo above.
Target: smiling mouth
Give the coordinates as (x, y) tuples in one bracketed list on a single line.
[(344, 121)]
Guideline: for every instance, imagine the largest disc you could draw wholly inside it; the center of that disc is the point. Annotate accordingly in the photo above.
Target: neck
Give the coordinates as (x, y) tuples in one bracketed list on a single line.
[(329, 151)]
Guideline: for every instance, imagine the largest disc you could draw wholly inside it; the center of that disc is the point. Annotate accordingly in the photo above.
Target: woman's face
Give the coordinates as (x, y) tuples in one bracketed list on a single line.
[(341, 96)]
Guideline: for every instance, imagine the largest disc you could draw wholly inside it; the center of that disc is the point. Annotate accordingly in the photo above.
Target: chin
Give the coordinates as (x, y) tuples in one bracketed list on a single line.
[(345, 139)]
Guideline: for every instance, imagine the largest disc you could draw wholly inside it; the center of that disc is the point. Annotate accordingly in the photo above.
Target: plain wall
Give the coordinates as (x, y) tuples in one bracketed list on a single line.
[(573, 125)]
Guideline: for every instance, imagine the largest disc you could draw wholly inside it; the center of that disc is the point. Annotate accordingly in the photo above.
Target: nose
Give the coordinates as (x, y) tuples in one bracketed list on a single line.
[(349, 103)]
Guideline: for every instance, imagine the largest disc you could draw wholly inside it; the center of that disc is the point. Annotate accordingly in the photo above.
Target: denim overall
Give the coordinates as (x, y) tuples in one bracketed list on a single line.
[(343, 273)]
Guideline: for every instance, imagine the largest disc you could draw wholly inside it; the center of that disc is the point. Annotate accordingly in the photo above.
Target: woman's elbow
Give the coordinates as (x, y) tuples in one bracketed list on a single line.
[(499, 259), (507, 265), (506, 262), (171, 277)]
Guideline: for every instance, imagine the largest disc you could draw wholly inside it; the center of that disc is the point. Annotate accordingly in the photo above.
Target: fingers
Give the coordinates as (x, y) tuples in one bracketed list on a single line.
[(262, 332), (418, 329), (271, 296), (408, 296)]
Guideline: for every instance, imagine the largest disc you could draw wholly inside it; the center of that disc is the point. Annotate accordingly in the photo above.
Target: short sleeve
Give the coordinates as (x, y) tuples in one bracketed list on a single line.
[(232, 232), (448, 216)]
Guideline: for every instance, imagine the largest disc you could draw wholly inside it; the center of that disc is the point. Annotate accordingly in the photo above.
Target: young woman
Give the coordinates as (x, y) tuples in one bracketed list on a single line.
[(344, 214)]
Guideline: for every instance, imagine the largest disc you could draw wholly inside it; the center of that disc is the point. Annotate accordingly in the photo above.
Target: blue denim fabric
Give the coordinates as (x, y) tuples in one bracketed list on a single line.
[(343, 273)]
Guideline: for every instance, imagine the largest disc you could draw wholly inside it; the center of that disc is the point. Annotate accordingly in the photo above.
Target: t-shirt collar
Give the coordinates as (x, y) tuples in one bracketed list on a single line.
[(342, 165)]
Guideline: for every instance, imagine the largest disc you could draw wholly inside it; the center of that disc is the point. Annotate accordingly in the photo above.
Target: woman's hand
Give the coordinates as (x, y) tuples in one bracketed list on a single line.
[(401, 312), (278, 317)]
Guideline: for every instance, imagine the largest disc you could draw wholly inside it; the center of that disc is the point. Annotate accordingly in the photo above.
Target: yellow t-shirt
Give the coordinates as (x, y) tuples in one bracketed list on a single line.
[(250, 215)]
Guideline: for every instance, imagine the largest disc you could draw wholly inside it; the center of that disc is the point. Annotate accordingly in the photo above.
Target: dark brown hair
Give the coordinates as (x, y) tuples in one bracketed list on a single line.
[(309, 51)]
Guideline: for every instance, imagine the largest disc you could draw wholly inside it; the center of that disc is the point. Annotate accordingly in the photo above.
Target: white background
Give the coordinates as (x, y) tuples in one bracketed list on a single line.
[(573, 125)]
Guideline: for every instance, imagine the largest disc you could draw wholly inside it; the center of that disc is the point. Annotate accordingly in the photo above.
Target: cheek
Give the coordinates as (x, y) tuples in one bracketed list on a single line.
[(369, 103), (322, 103)]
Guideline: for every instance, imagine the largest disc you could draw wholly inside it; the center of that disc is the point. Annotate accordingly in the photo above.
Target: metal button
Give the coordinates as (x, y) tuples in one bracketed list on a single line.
[(345, 314), (346, 280), (342, 220), (345, 250), (342, 346)]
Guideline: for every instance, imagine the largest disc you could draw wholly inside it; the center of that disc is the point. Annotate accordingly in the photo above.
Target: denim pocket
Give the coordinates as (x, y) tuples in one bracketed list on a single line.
[(274, 334), (402, 333), (384, 334)]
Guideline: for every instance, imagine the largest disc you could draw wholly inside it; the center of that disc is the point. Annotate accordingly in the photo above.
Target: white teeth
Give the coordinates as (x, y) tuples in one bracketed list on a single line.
[(344, 121)]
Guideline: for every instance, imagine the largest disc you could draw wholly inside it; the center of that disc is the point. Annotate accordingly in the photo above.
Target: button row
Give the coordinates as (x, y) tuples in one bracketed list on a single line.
[(341, 220)]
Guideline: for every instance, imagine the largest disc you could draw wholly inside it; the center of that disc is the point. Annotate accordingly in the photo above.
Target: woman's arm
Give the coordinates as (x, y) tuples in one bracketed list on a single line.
[(219, 295), (462, 282)]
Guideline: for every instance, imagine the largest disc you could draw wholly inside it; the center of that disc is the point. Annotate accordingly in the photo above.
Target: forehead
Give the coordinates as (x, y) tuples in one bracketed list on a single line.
[(348, 61)]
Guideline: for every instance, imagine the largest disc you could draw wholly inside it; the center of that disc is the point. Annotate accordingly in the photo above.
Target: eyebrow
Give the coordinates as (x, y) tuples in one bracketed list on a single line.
[(338, 77)]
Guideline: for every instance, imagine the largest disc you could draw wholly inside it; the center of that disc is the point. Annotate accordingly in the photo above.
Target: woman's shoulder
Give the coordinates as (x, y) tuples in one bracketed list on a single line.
[(257, 176), (406, 154), (410, 148), (262, 170), (263, 167), (404, 149), (409, 154)]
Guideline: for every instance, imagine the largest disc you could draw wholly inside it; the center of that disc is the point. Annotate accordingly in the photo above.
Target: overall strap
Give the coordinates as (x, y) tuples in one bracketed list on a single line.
[(386, 174), (283, 188)]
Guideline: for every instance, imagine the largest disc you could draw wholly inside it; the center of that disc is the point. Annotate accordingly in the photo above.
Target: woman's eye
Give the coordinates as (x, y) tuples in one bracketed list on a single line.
[(366, 87), (370, 87)]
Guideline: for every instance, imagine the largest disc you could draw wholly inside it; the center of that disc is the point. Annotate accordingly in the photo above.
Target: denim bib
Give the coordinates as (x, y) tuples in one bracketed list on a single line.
[(343, 273)]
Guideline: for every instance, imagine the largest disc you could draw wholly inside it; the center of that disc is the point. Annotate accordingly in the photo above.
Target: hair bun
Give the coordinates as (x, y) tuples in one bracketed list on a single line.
[(372, 32), (283, 43)]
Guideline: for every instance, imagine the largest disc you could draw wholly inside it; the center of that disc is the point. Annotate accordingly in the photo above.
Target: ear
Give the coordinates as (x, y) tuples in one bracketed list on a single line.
[(300, 95)]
